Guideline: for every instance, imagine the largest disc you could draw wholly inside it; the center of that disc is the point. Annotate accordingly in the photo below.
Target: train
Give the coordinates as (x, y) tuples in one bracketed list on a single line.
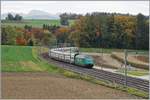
[(71, 55)]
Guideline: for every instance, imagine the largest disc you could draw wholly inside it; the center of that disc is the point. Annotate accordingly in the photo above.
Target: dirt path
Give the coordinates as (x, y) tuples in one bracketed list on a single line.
[(46, 86)]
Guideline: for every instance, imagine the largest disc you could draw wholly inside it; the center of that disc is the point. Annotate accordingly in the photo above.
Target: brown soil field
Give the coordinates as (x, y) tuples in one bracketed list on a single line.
[(53, 86)]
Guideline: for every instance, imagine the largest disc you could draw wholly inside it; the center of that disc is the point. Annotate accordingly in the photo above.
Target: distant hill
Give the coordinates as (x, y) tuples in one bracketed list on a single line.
[(34, 14)]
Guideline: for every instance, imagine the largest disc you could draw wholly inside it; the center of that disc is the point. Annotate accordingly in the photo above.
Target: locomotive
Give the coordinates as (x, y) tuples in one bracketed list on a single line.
[(71, 55)]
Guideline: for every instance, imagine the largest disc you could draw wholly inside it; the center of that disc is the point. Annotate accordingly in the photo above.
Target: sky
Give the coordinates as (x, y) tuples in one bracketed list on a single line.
[(79, 7)]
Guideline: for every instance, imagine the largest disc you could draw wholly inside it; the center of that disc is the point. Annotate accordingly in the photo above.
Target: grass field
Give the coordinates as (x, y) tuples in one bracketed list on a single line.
[(23, 59), (34, 22)]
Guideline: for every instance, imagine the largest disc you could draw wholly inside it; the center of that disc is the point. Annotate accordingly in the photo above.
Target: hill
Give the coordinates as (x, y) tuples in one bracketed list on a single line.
[(35, 14)]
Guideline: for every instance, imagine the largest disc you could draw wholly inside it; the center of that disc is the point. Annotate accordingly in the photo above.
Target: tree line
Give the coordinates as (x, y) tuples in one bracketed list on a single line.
[(65, 17), (111, 31), (26, 36), (105, 30), (16, 17)]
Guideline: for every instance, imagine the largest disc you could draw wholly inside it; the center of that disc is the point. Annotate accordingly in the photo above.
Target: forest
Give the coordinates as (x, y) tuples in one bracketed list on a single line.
[(97, 29)]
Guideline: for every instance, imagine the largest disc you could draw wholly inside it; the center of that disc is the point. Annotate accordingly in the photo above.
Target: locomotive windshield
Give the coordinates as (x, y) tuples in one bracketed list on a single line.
[(89, 58)]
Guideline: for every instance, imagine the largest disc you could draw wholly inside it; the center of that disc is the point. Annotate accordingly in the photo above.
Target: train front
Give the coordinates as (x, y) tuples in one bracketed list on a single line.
[(88, 61)]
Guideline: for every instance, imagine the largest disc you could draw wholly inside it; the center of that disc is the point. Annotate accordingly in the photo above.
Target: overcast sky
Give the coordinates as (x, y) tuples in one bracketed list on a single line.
[(82, 7)]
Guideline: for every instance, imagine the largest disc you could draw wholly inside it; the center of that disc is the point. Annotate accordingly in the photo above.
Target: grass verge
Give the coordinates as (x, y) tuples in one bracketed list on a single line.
[(134, 72)]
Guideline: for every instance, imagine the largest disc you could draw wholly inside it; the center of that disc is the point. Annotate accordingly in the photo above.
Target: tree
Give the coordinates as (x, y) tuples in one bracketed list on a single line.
[(48, 39), (9, 17), (108, 39), (142, 33), (20, 40), (104, 30), (18, 17), (28, 28), (30, 42), (44, 26), (9, 34), (62, 34), (89, 29), (4, 36), (64, 19), (124, 31)]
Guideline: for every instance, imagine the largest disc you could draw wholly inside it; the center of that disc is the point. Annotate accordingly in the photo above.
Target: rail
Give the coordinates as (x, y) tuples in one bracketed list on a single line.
[(102, 75)]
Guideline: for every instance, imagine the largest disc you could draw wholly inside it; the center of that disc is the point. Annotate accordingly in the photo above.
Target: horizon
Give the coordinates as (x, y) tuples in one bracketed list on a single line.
[(78, 7), (58, 13)]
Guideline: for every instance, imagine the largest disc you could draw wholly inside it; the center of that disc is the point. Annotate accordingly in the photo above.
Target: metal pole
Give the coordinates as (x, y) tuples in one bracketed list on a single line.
[(102, 49), (70, 55), (125, 61)]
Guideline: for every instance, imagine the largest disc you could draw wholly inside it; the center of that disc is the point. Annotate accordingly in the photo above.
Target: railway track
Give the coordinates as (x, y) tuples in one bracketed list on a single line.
[(102, 75)]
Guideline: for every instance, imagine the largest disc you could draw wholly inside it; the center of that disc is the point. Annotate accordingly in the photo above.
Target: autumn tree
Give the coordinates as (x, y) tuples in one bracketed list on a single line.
[(124, 31), (20, 40), (48, 39), (88, 30), (9, 35), (62, 34)]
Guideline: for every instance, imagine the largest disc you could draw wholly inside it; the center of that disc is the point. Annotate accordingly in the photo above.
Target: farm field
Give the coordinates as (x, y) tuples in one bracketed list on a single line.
[(28, 69), (52, 86), (35, 23), (23, 59)]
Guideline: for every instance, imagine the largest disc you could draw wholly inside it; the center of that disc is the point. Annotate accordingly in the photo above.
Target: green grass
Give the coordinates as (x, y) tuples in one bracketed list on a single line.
[(17, 53), (17, 58), (138, 73), (38, 23), (135, 72), (34, 23), (23, 59)]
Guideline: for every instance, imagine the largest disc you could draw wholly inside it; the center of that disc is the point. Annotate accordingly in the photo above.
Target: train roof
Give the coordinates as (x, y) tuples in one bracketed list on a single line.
[(83, 56)]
